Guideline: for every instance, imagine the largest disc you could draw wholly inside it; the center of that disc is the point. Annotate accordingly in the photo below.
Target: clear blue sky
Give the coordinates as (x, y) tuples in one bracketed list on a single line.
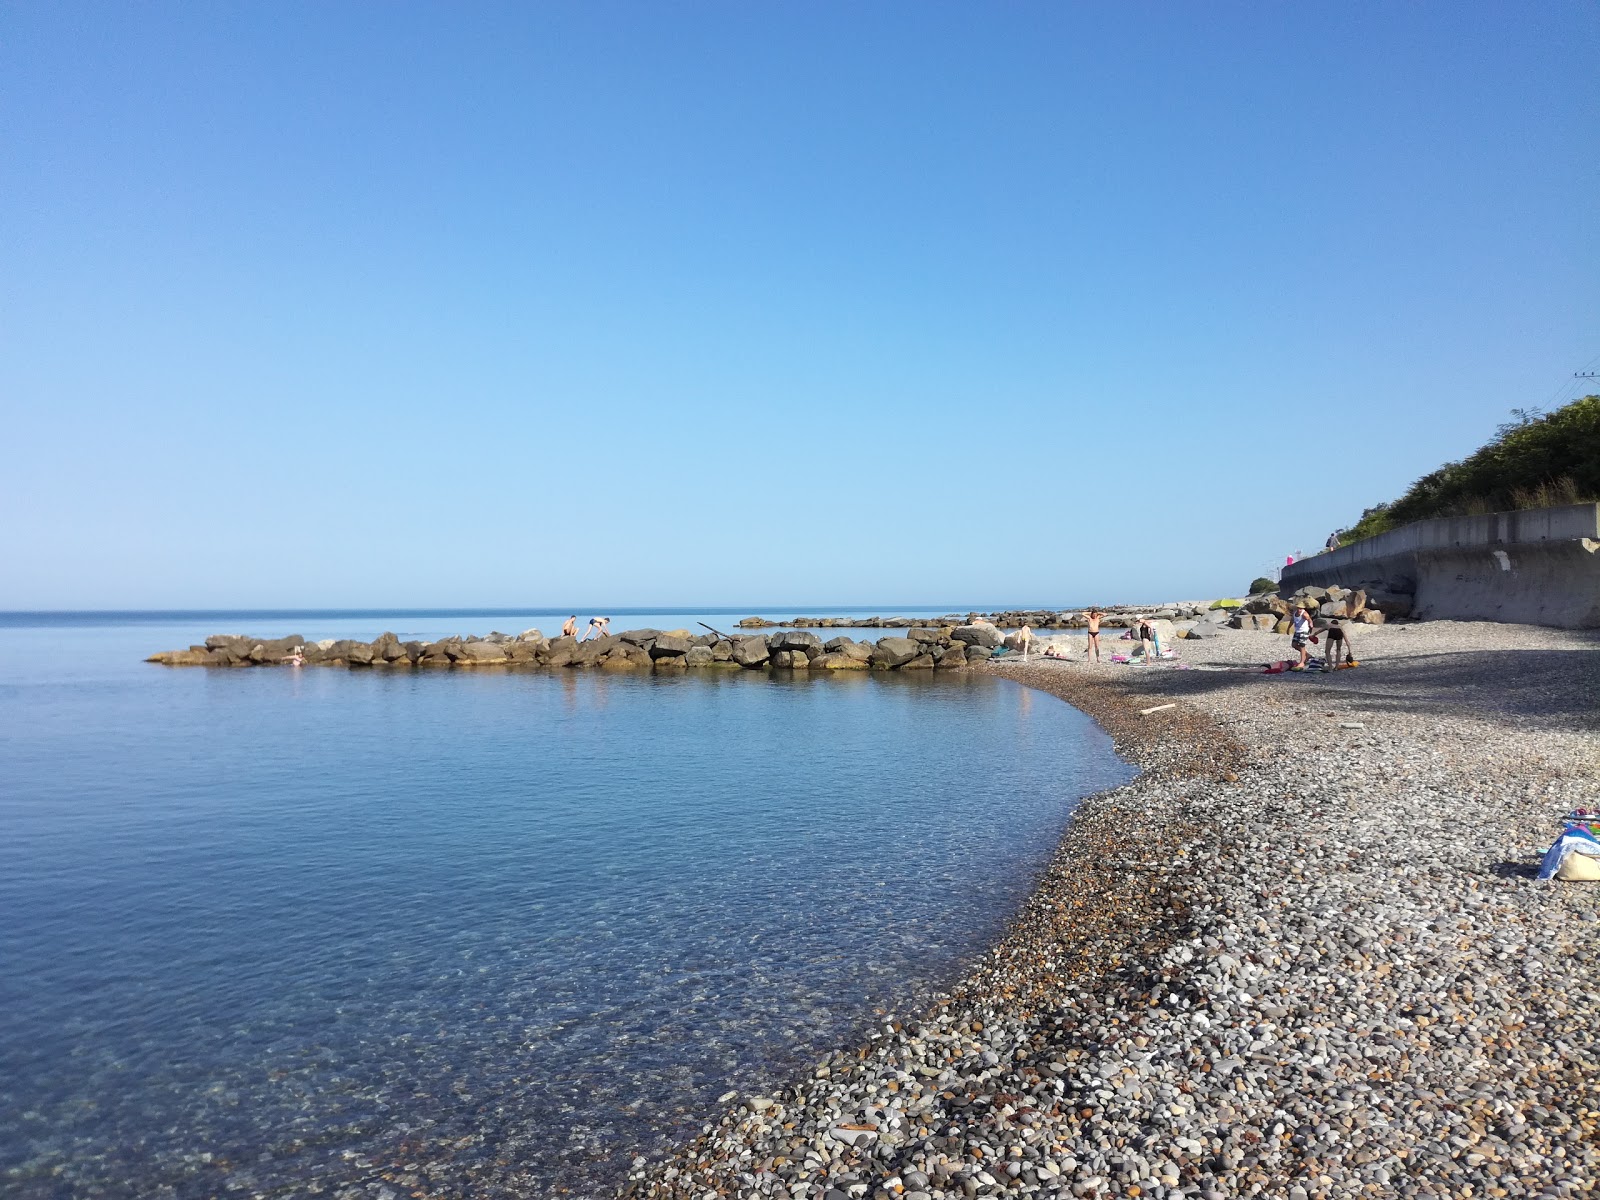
[(792, 303)]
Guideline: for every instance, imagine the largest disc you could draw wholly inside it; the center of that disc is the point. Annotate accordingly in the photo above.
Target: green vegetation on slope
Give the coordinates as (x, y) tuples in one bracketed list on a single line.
[(1533, 462)]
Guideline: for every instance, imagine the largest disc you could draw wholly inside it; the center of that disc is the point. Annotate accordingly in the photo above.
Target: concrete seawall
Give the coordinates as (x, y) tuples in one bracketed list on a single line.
[(1536, 567)]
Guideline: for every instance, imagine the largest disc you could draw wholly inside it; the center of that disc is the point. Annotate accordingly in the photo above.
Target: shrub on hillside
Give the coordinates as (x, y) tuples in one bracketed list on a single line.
[(1262, 584), (1535, 461)]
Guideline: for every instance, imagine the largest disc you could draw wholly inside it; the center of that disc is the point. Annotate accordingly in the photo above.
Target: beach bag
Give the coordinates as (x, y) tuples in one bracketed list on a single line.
[(1579, 868)]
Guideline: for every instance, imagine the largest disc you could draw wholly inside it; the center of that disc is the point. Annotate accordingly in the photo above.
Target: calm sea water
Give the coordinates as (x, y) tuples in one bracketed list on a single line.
[(467, 933)]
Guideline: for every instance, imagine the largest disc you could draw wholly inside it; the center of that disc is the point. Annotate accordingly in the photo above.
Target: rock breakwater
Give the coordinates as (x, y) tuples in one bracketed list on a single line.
[(944, 648)]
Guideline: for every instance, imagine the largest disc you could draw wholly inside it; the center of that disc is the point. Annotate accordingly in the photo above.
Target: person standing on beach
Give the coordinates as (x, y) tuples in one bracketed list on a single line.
[(1338, 639), (1300, 637), (1147, 640), (569, 627), (1094, 634)]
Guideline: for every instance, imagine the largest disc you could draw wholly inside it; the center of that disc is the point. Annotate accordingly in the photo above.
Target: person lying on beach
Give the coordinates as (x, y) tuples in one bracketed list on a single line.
[(569, 627), (1338, 643), (1055, 650), (1300, 637), (1093, 647)]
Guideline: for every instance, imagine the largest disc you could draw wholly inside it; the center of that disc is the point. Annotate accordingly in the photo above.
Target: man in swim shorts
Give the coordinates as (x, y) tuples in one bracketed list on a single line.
[(1093, 647)]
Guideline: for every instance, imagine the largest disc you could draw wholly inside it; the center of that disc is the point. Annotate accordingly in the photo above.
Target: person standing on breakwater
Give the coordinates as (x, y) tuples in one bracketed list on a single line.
[(569, 627), (593, 631), (1300, 637), (1094, 634)]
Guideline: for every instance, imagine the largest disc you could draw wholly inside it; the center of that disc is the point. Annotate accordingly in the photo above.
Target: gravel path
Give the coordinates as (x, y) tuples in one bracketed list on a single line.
[(1303, 955)]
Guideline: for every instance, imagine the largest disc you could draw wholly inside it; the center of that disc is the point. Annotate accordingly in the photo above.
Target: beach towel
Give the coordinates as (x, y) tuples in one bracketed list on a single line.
[(1574, 839)]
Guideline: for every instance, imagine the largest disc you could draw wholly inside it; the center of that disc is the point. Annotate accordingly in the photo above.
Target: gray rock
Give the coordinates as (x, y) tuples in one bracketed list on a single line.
[(977, 635), (893, 652), (796, 639), (670, 645), (473, 654), (751, 651)]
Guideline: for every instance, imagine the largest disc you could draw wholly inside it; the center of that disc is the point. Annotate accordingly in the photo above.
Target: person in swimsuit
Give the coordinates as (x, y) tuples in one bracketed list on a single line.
[(593, 631), (1093, 647), (1147, 640), (1338, 644), (569, 627)]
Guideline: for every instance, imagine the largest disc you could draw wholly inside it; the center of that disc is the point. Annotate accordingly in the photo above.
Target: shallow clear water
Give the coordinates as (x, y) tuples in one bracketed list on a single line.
[(269, 931)]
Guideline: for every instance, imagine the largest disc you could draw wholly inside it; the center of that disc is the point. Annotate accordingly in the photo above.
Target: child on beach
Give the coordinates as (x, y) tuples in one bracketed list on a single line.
[(1300, 637)]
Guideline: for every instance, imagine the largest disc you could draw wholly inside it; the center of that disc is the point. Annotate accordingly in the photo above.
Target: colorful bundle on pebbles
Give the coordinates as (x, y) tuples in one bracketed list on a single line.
[(943, 648)]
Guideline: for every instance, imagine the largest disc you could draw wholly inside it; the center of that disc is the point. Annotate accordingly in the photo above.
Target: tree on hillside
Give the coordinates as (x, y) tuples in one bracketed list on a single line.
[(1535, 460)]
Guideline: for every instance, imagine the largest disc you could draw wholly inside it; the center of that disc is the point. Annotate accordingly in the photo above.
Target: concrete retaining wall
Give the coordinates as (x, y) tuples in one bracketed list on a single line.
[(1535, 567)]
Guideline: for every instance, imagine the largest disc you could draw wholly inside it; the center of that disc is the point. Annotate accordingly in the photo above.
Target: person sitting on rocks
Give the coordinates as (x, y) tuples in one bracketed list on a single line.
[(1300, 637), (1338, 639), (569, 627)]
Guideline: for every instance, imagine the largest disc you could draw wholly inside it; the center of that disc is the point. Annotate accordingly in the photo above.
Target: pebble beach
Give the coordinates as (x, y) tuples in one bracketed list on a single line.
[(1303, 955)]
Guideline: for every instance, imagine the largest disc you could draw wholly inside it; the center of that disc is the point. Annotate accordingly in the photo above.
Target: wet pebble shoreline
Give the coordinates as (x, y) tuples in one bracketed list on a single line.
[(1301, 956)]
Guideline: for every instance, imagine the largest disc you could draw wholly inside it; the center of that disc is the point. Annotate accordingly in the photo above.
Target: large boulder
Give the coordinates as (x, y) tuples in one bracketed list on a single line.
[(1372, 616), (836, 660), (698, 656), (791, 659), (922, 662), (477, 654), (797, 639), (894, 652), (953, 658), (838, 643), (976, 654), (275, 650), (670, 645), (927, 636), (639, 637), (434, 654), (722, 651), (751, 652), (237, 642), (986, 636)]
